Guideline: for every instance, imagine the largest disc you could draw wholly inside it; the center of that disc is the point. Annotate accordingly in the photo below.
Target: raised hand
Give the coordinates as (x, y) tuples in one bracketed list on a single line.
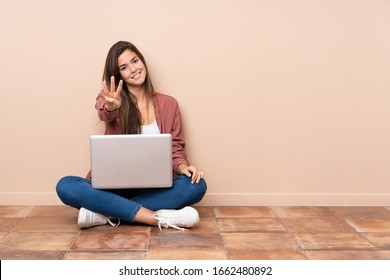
[(111, 96)]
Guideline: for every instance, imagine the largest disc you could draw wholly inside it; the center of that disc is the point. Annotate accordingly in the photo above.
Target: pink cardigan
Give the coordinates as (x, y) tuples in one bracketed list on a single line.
[(166, 110)]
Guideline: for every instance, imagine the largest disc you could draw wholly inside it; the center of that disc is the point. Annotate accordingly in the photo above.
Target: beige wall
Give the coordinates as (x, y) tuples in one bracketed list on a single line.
[(284, 102)]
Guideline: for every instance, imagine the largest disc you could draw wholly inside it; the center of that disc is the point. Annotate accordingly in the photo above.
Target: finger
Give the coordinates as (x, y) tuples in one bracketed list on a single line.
[(119, 89), (105, 88), (112, 85), (199, 177), (112, 100), (194, 175), (102, 95), (186, 172), (191, 170), (196, 178)]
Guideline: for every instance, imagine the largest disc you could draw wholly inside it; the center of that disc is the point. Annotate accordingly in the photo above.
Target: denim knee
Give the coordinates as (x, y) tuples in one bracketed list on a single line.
[(200, 189), (192, 192), (65, 188), (61, 186)]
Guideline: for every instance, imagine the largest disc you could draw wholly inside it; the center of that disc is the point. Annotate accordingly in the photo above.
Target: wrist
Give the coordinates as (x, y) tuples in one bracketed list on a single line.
[(181, 166), (108, 110)]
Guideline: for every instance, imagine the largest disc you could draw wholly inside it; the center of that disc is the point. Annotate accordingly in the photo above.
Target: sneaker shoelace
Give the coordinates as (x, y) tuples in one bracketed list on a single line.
[(112, 223), (108, 220), (167, 222)]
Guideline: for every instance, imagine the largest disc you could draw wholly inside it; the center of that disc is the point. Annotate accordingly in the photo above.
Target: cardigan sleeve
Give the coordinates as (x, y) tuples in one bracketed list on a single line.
[(179, 155)]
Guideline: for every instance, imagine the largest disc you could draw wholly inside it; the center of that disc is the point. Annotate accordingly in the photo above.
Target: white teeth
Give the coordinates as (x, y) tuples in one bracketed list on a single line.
[(136, 76)]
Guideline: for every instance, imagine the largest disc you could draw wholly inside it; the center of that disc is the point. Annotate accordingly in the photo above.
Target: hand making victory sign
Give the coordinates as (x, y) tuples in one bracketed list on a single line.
[(112, 96)]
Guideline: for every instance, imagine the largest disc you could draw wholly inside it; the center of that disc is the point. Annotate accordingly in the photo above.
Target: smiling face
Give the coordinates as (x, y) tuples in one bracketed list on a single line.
[(131, 69)]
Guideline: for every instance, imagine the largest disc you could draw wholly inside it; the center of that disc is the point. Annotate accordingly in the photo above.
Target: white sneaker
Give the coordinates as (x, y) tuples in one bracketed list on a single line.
[(178, 219), (88, 219)]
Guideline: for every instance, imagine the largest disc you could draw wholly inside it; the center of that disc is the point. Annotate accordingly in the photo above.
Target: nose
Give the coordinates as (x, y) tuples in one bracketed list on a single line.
[(132, 68)]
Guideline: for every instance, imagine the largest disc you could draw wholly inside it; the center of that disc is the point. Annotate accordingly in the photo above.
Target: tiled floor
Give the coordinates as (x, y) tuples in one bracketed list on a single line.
[(224, 233)]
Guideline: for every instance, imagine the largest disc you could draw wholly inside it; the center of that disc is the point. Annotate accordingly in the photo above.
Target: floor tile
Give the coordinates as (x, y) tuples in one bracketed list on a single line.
[(111, 241), (31, 254), (7, 224), (259, 241), (187, 254), (370, 225), (243, 212), (207, 225), (379, 239), (54, 211), (312, 225), (301, 212), (36, 241), (361, 212), (14, 211), (265, 255), (47, 225), (123, 227), (332, 241), (346, 255), (250, 225), (105, 255), (184, 240), (205, 211)]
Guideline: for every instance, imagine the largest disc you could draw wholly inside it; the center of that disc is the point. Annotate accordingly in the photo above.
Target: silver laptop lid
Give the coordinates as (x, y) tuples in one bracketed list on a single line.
[(131, 161)]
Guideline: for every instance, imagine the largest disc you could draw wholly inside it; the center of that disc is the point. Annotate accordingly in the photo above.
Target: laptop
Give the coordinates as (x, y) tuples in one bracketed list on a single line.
[(131, 161)]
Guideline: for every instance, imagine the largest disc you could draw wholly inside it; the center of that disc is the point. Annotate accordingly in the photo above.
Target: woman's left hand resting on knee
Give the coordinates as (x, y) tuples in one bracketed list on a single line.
[(191, 171)]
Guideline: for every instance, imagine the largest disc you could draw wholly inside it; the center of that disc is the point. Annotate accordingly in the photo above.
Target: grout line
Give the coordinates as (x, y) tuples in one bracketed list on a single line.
[(148, 242), (280, 219), (21, 219), (357, 232), (71, 245), (220, 236)]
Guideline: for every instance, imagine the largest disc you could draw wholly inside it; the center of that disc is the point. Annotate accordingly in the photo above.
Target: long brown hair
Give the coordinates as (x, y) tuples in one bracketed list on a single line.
[(130, 116)]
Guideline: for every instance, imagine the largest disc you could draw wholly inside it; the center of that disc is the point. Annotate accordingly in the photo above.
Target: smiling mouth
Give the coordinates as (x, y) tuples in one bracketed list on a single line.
[(136, 76)]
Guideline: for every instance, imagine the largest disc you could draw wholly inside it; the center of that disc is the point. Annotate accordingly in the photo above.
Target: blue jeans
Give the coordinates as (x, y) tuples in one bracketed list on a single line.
[(124, 204)]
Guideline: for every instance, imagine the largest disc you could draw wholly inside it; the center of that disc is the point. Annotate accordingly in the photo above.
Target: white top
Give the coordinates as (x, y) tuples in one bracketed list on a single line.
[(150, 128)]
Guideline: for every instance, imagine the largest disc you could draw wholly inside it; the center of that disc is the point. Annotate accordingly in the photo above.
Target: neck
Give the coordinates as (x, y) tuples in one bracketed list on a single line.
[(139, 93)]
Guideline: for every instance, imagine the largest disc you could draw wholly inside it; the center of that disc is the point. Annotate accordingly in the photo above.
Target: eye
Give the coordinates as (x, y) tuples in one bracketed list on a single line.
[(135, 60), (122, 68)]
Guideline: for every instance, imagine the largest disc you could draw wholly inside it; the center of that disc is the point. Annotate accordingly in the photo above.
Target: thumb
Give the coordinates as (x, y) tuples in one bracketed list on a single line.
[(186, 172)]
